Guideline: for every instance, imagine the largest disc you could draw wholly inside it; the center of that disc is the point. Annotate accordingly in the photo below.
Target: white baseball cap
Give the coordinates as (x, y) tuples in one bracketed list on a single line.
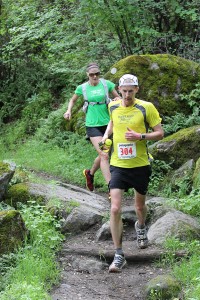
[(128, 79)]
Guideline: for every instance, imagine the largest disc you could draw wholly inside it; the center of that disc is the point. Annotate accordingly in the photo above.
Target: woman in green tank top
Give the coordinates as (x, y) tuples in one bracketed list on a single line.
[(95, 92)]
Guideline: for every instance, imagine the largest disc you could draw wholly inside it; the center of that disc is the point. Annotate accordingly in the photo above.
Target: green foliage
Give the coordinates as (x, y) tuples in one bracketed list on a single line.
[(7, 262), (4, 206), (22, 290), (44, 44), (71, 205), (106, 217), (189, 204), (30, 272), (42, 225), (186, 271), (179, 120), (22, 82), (38, 108), (12, 135), (159, 170), (53, 131), (155, 295)]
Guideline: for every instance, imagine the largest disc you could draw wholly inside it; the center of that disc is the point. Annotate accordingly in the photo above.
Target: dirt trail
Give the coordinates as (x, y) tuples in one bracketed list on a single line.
[(84, 262), (83, 283)]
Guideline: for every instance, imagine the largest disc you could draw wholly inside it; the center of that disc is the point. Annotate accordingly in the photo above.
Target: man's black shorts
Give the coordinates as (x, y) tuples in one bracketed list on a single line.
[(95, 131), (125, 178)]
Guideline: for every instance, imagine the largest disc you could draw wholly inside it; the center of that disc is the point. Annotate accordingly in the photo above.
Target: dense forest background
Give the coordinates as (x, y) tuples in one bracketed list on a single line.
[(46, 44)]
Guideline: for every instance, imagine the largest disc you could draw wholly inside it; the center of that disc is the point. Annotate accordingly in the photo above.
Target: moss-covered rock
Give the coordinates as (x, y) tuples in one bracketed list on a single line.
[(6, 173), (12, 231), (17, 193), (196, 175), (22, 192), (162, 78), (162, 287), (179, 147), (4, 168), (19, 176)]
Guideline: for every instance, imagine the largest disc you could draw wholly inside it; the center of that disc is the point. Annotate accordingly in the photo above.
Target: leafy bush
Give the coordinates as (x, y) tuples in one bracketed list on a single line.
[(179, 120), (159, 170), (189, 204)]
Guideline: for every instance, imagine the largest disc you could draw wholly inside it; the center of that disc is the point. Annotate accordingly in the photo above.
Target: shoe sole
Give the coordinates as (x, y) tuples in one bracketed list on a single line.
[(115, 269), (86, 183)]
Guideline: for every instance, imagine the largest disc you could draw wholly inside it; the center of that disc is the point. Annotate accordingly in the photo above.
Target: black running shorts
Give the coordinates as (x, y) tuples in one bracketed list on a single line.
[(95, 131), (125, 178)]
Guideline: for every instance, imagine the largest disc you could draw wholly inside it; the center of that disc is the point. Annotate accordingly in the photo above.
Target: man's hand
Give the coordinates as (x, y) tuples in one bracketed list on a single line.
[(105, 137), (132, 135)]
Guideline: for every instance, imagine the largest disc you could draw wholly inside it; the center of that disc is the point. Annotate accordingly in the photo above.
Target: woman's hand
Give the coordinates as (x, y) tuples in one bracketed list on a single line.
[(116, 98), (67, 115)]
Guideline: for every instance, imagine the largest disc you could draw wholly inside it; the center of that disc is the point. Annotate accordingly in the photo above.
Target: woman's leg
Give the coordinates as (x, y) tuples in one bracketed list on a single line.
[(95, 166)]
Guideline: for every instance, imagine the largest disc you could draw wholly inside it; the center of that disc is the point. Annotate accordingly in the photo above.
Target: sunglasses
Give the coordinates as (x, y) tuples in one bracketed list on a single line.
[(94, 74)]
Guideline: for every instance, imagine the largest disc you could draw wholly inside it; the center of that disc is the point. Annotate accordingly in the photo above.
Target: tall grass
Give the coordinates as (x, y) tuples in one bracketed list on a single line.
[(187, 272), (66, 163)]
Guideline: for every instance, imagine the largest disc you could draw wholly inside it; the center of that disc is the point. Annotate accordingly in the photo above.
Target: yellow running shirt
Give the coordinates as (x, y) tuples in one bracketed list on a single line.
[(139, 117)]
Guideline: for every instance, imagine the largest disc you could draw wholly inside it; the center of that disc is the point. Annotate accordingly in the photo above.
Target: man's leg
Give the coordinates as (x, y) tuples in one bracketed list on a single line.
[(116, 227), (140, 227), (116, 224), (140, 208)]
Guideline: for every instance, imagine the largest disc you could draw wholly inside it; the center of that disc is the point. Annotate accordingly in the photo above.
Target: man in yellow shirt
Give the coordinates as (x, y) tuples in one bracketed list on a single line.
[(130, 120)]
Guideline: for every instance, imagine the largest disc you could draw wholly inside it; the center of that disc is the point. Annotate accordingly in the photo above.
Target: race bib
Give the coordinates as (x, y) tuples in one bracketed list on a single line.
[(126, 150)]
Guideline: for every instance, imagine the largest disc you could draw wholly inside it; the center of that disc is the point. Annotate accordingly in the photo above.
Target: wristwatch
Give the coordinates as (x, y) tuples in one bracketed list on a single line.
[(143, 136)]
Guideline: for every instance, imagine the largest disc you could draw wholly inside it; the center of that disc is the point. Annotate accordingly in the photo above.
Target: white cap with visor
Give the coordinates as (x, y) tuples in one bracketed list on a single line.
[(128, 79)]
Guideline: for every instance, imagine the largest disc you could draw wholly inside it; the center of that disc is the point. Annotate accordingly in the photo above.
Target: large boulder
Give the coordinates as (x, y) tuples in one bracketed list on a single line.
[(179, 147), (162, 79), (12, 230), (173, 224)]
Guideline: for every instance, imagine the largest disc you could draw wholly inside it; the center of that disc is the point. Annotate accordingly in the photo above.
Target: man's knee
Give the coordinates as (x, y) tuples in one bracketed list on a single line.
[(115, 210)]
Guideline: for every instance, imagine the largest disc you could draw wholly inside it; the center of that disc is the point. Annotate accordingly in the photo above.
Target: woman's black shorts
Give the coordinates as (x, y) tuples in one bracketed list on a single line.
[(95, 131), (125, 178)]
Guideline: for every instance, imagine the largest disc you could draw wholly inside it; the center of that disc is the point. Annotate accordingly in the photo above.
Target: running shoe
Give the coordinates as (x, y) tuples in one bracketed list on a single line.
[(142, 240), (117, 264), (89, 180)]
